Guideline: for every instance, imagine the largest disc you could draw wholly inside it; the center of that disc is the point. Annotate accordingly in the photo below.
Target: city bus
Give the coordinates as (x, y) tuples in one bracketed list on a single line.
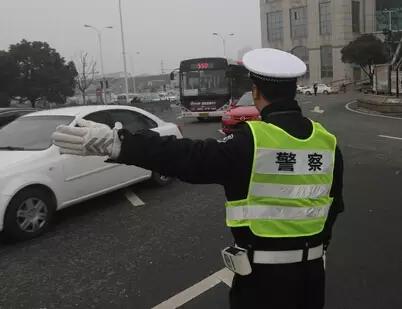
[(209, 85)]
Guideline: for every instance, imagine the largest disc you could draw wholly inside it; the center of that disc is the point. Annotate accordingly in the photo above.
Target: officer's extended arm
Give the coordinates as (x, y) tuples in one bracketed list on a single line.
[(193, 161)]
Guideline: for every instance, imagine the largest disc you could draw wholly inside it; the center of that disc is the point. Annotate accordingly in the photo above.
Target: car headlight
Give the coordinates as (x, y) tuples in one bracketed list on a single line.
[(226, 117)]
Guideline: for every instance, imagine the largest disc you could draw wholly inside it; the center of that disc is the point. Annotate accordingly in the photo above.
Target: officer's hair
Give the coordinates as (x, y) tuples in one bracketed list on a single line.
[(276, 91)]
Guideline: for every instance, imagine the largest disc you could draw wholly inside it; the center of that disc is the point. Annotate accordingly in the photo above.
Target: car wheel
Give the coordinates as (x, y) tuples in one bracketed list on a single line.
[(308, 92), (160, 180), (326, 92), (28, 214)]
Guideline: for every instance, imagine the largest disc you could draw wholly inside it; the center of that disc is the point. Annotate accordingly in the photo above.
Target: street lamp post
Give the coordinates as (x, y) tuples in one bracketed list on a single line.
[(132, 69), (223, 40), (390, 18), (123, 45), (99, 34)]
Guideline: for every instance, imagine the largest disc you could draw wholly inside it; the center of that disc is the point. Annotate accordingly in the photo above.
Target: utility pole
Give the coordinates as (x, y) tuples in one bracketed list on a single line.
[(162, 67), (123, 45)]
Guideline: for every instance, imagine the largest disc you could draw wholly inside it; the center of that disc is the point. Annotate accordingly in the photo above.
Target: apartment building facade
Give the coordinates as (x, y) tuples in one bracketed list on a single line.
[(316, 31)]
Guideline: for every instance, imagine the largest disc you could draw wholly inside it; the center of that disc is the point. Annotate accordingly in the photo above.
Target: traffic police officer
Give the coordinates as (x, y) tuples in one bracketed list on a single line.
[(282, 178)]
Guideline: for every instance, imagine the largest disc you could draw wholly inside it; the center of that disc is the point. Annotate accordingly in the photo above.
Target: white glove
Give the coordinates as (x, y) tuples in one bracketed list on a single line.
[(88, 139)]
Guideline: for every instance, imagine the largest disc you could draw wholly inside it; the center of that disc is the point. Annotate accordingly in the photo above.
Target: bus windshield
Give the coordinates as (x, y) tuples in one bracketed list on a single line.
[(208, 82)]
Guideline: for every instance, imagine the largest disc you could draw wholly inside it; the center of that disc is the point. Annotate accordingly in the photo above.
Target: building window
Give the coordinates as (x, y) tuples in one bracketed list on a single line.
[(327, 69), (356, 16), (275, 26), (382, 19), (298, 22), (325, 17), (302, 52)]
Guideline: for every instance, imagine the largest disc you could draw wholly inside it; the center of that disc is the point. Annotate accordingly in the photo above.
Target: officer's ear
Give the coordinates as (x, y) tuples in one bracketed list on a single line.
[(256, 93)]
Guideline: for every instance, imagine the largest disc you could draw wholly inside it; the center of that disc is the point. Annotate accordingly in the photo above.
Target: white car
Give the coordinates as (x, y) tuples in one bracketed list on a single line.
[(300, 88), (35, 180), (321, 89), (172, 98)]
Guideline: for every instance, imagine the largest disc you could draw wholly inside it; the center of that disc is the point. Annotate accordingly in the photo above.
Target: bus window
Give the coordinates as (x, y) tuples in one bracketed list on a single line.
[(206, 82), (213, 82), (191, 83)]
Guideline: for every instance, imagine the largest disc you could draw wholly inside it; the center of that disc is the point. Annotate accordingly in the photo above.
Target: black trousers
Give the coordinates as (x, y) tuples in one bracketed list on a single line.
[(285, 286)]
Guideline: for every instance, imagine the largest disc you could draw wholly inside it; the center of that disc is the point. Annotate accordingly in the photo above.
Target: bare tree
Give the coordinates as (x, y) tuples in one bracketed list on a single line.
[(86, 75)]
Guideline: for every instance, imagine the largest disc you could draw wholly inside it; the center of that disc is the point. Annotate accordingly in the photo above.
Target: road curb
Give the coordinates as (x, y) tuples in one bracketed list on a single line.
[(382, 104), (371, 113)]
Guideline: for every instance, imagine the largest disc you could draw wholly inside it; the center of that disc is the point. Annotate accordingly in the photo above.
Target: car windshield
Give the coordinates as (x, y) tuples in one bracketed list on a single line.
[(207, 82), (246, 100), (31, 133)]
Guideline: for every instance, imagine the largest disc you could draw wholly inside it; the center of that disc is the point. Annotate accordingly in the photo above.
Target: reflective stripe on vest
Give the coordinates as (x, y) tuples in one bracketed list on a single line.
[(290, 183), (289, 191), (264, 212)]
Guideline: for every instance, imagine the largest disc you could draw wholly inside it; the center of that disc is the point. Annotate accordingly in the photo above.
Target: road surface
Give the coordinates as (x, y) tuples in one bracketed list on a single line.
[(112, 253)]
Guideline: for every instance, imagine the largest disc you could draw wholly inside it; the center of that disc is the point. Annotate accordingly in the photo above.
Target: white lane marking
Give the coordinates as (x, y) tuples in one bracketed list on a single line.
[(133, 198), (317, 110), (391, 137), (306, 102), (224, 275), (347, 106)]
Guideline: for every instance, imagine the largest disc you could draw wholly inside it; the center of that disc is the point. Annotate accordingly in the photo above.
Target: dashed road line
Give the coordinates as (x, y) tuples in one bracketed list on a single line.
[(347, 106), (224, 275), (133, 198), (391, 137)]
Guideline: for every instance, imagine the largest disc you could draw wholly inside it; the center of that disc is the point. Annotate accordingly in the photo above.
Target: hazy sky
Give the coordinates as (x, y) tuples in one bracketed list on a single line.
[(168, 30)]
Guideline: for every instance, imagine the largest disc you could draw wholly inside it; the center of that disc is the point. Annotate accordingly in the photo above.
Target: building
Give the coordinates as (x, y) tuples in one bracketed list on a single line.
[(316, 31), (152, 83), (143, 83)]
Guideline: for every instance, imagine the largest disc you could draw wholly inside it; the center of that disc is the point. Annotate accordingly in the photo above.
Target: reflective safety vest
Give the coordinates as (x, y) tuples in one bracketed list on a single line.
[(290, 183)]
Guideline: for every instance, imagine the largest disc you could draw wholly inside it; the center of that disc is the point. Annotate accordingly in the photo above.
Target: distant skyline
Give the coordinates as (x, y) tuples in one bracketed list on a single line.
[(159, 30)]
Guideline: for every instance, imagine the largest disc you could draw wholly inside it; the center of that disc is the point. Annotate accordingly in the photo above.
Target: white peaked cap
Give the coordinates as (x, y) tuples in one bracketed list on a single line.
[(274, 64)]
